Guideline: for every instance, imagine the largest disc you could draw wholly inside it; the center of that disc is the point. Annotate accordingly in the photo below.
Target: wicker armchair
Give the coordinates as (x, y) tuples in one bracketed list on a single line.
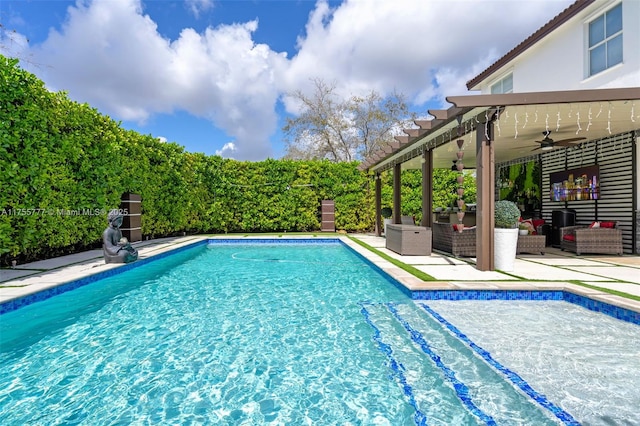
[(584, 239), (445, 238)]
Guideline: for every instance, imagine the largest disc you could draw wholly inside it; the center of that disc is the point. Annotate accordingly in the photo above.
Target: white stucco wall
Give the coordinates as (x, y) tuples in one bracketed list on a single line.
[(559, 61)]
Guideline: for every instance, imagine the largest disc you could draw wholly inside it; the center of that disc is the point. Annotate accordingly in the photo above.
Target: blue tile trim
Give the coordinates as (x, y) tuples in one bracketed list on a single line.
[(419, 417), (462, 391), (605, 308), (593, 305), (514, 378), (14, 304), (487, 295), (284, 240)]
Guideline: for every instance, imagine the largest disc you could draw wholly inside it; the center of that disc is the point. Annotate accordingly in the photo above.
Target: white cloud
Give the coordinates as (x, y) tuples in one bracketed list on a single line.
[(13, 44), (227, 151), (110, 54), (198, 6), (425, 49)]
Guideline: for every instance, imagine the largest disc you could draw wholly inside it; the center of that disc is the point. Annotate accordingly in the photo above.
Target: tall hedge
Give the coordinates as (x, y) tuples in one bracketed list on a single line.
[(63, 165)]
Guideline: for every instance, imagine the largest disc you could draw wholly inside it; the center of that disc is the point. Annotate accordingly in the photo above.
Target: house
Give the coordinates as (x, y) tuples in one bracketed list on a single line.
[(567, 97)]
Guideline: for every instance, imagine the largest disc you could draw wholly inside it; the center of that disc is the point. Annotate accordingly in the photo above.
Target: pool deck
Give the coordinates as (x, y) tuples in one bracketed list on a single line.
[(556, 270)]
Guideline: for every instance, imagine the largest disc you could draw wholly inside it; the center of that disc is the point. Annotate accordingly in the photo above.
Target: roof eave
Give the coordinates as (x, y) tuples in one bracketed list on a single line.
[(545, 30)]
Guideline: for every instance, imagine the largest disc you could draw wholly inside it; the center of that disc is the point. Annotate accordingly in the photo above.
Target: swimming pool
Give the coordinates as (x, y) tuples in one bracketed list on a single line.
[(253, 333)]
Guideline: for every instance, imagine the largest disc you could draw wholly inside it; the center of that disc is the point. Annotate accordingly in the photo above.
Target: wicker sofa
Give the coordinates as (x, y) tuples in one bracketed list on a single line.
[(586, 239), (445, 238)]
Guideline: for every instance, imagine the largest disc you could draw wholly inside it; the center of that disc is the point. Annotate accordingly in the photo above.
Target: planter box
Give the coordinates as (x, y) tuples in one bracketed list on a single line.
[(409, 240)]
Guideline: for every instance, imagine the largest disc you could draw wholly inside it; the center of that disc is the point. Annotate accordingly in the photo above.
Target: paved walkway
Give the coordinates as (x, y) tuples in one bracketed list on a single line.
[(554, 270)]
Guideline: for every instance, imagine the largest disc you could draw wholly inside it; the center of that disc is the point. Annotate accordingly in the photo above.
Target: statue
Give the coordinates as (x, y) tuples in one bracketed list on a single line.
[(115, 247)]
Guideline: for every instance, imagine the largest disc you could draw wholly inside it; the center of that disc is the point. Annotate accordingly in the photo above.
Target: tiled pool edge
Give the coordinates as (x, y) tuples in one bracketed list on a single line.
[(614, 311), (20, 301), (565, 294)]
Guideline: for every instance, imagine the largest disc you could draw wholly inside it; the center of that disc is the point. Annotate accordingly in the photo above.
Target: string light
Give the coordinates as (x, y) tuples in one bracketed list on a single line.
[(579, 128), (526, 118), (633, 106), (609, 120), (546, 123), (589, 115), (558, 119), (515, 117), (486, 126), (598, 114)]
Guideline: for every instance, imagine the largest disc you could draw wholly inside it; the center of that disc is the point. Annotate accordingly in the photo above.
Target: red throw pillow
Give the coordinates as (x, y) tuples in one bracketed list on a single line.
[(609, 225), (595, 225), (569, 237), (537, 222)]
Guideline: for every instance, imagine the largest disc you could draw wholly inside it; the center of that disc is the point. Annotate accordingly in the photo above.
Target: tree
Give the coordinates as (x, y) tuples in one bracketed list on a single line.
[(343, 130)]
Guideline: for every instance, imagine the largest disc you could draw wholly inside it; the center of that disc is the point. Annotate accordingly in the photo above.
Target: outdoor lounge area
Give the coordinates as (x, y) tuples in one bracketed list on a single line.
[(580, 183)]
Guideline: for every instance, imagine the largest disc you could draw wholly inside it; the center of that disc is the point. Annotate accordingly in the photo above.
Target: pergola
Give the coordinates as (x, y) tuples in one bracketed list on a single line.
[(504, 127)]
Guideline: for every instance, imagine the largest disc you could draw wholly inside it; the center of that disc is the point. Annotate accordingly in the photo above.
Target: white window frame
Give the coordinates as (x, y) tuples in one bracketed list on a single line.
[(500, 83), (604, 41)]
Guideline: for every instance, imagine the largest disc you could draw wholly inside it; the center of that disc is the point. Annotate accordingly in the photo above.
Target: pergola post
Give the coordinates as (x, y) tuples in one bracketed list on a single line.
[(378, 196), (427, 188), (397, 173), (485, 181)]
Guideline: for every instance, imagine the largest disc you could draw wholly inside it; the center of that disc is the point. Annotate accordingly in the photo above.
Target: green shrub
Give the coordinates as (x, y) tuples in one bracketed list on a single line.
[(507, 214), (58, 155)]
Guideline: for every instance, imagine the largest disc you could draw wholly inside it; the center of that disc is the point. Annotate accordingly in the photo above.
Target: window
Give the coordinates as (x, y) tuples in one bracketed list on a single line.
[(605, 40), (503, 86)]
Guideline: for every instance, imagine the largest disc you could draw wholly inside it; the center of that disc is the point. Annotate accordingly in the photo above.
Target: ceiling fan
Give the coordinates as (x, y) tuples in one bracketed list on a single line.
[(548, 144)]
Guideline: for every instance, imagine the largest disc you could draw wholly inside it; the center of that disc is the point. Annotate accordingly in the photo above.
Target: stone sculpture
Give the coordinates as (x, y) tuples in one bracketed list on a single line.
[(115, 247)]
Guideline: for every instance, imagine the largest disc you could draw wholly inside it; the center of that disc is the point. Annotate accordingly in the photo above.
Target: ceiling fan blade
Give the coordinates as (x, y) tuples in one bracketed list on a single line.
[(566, 142), (535, 149)]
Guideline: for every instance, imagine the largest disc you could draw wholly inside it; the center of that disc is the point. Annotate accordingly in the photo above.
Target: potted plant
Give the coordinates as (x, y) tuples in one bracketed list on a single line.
[(523, 229), (505, 234), (386, 213)]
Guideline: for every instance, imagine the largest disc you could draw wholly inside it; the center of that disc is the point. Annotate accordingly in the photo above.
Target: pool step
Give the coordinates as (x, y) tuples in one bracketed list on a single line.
[(425, 388), (445, 379)]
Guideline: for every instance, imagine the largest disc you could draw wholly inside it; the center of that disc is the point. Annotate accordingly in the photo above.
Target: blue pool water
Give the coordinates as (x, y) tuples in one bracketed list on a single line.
[(257, 334)]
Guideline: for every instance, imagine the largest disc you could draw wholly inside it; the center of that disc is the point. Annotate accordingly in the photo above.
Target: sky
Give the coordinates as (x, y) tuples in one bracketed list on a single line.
[(216, 76)]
